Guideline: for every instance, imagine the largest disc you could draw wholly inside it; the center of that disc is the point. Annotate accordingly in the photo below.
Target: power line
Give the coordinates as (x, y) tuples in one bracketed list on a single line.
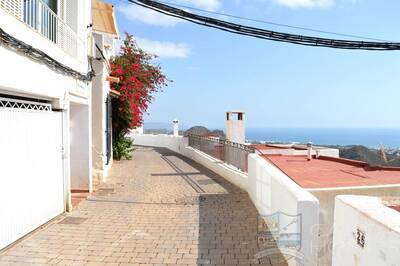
[(263, 33), (37, 55), (273, 23)]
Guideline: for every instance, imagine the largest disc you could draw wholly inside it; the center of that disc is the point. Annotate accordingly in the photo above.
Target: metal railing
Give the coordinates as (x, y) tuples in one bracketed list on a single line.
[(39, 16), (229, 152)]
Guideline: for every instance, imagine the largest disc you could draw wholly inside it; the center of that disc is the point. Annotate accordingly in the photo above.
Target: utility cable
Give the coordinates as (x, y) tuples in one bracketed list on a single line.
[(264, 33), (37, 55), (273, 23)]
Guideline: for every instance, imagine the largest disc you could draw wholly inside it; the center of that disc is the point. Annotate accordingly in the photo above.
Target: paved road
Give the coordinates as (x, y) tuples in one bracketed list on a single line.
[(158, 209)]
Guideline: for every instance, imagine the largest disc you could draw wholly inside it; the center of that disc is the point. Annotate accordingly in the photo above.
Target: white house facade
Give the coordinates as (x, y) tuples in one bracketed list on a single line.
[(104, 42), (45, 111)]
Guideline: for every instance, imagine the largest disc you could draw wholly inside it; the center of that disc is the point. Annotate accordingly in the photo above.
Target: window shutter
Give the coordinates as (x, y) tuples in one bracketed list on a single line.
[(14, 7), (71, 14)]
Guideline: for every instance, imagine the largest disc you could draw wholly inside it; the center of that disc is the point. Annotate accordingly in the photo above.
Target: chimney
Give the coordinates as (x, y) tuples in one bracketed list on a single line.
[(309, 151), (176, 127), (235, 127)]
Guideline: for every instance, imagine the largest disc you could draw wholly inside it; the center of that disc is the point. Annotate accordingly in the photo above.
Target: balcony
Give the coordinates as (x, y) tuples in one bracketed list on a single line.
[(42, 17)]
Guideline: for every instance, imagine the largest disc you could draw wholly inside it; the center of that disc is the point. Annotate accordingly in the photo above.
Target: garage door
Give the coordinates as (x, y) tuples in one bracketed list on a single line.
[(31, 167)]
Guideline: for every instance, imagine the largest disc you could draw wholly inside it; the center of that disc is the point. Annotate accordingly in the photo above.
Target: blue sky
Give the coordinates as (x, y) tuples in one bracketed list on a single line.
[(277, 85)]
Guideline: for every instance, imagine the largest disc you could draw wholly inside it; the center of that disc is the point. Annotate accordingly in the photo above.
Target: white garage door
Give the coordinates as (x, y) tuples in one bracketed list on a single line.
[(31, 167)]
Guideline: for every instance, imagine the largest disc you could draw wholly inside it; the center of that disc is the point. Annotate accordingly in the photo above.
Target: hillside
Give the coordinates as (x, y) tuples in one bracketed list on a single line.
[(371, 156), (203, 131)]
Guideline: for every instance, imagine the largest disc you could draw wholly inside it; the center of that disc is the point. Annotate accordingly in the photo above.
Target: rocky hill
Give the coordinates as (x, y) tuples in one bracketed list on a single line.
[(371, 156), (203, 131)]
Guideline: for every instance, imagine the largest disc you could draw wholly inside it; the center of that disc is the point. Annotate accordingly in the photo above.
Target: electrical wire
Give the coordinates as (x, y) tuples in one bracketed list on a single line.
[(39, 56), (263, 33), (273, 23)]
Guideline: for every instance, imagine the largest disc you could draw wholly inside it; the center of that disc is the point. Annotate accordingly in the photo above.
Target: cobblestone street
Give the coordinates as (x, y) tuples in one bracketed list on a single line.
[(159, 208)]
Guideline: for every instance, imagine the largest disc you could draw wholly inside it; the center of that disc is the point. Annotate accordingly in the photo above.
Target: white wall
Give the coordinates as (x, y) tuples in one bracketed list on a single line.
[(80, 147), (230, 173), (38, 80), (100, 92), (272, 191), (381, 228), (326, 197), (100, 89), (176, 144)]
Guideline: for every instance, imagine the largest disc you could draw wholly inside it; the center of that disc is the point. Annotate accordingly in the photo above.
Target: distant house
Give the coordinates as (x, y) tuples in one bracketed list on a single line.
[(105, 40), (327, 177), (47, 115)]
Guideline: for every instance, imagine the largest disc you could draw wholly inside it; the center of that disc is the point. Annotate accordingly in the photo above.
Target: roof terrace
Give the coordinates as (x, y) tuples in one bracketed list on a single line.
[(328, 172)]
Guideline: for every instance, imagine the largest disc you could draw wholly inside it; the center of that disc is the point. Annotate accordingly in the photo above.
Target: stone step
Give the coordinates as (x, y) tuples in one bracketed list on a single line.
[(96, 180)]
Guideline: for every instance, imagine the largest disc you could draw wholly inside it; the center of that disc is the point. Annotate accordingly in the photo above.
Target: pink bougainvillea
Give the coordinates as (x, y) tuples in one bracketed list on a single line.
[(139, 80)]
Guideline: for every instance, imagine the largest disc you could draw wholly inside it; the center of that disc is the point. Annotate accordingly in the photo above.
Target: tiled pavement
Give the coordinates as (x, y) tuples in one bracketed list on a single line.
[(158, 209)]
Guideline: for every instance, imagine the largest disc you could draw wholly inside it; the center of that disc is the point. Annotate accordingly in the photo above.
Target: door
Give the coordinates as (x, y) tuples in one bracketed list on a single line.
[(31, 167), (108, 129)]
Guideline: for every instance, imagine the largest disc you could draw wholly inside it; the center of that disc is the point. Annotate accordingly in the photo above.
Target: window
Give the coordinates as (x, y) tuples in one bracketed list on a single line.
[(52, 4)]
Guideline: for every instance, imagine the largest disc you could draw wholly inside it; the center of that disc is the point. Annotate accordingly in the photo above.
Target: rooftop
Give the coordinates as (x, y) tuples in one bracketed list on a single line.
[(392, 202), (396, 208), (329, 172)]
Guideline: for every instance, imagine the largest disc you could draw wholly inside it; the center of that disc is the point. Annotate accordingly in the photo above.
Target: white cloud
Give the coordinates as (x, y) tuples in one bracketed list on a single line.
[(164, 49), (147, 16), (306, 3)]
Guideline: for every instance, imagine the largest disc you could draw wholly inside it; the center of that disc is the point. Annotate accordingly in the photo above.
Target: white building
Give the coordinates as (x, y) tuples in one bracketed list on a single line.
[(366, 232), (45, 111), (105, 35), (327, 177)]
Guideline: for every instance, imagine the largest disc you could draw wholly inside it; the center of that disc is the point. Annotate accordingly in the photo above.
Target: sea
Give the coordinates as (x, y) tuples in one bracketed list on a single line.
[(369, 137)]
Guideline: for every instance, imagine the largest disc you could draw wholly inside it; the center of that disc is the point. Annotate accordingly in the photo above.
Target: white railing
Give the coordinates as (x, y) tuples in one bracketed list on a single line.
[(39, 16)]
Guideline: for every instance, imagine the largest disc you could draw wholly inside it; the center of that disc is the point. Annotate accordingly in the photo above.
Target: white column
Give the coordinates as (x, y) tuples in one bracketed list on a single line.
[(66, 159), (80, 147), (176, 127)]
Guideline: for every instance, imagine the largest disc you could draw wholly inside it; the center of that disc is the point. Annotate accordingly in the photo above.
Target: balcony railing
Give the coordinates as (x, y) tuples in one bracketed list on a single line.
[(229, 152), (38, 15)]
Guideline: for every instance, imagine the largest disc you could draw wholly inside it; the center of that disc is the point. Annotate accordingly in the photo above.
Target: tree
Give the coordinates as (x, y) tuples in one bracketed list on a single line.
[(139, 80)]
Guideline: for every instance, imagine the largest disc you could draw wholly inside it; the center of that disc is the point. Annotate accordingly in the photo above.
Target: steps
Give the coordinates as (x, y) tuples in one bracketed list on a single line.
[(97, 178)]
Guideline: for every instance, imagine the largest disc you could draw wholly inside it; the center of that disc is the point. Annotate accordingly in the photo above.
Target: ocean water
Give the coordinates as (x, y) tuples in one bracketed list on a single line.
[(370, 137)]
